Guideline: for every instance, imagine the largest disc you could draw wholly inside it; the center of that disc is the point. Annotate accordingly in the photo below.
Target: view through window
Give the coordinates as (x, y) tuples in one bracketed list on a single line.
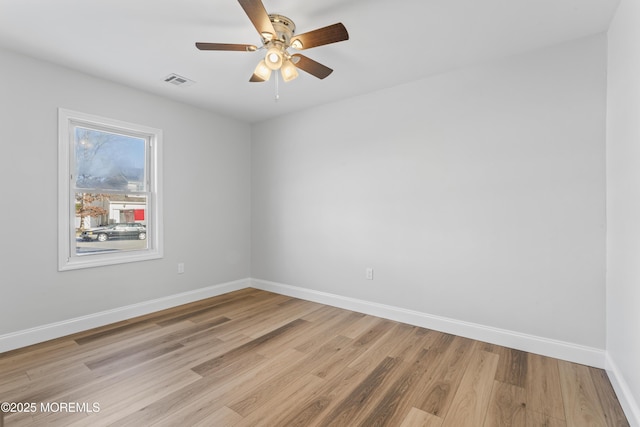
[(110, 191)]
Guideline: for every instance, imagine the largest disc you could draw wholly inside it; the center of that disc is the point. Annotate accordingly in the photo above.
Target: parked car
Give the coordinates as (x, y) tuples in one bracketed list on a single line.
[(124, 230)]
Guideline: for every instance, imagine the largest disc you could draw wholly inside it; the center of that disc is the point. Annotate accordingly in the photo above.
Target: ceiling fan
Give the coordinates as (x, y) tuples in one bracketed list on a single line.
[(277, 34)]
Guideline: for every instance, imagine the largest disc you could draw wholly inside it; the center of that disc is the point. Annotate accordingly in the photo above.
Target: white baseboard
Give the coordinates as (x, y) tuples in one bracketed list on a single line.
[(627, 401), (548, 347), (42, 333)]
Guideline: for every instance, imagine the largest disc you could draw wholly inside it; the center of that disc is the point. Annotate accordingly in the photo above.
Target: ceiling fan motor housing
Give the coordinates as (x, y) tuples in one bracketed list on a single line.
[(284, 28)]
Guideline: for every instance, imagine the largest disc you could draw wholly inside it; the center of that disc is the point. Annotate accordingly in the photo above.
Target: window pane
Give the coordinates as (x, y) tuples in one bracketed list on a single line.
[(110, 223), (109, 161)]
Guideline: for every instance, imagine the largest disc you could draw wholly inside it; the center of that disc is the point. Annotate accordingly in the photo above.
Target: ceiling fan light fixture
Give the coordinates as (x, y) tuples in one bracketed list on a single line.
[(288, 71), (277, 36), (262, 71), (274, 58)]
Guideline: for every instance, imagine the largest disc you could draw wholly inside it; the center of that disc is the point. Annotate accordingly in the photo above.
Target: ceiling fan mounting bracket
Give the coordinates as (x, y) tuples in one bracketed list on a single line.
[(284, 28)]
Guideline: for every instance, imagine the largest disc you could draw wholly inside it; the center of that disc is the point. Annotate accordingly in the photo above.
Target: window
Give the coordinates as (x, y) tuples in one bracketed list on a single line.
[(109, 191)]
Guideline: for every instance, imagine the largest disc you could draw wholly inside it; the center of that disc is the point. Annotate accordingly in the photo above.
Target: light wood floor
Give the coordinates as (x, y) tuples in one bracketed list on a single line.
[(252, 358)]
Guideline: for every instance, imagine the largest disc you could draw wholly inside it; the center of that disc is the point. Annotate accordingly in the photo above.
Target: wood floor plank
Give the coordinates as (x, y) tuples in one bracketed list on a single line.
[(239, 308), (612, 410), (246, 319), (128, 391), (507, 406), (544, 394), (262, 393), (13, 381), (20, 360), (243, 297), (19, 420), (315, 335), (117, 332), (357, 401), (205, 405), (392, 406), (536, 419), (512, 366), (45, 391), (65, 364), (238, 352), (437, 393), (343, 321), (215, 392), (382, 348), (223, 417), (125, 363), (255, 358), (117, 398), (581, 402), (56, 371), (419, 377), (207, 312), (295, 310), (313, 405), (292, 340), (418, 418), (358, 346), (387, 406), (280, 412), (470, 402), (419, 339), (361, 326), (324, 313), (115, 349)]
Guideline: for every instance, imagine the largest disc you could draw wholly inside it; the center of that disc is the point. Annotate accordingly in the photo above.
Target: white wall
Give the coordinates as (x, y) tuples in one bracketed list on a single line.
[(206, 197), (623, 205), (477, 195)]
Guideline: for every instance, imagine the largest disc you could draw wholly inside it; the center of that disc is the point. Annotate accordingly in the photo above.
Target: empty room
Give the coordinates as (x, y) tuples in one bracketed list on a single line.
[(338, 213)]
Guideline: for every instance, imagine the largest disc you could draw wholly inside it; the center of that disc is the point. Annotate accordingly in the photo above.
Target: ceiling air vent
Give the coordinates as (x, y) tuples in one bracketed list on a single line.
[(177, 80)]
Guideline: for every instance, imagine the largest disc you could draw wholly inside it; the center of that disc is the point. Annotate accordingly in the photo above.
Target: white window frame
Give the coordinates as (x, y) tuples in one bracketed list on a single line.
[(67, 257)]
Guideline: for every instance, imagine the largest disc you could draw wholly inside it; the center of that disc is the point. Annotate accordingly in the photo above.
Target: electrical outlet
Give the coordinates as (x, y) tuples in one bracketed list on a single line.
[(180, 267), (368, 273)]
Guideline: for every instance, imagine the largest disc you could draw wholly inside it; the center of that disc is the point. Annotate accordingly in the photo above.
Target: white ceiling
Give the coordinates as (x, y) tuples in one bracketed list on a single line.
[(139, 42)]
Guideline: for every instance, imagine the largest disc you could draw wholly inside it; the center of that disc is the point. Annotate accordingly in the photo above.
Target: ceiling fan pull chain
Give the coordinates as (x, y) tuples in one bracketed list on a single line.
[(277, 88)]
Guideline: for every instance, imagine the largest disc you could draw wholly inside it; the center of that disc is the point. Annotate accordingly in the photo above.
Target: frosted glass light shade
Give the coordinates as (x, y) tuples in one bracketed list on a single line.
[(288, 71), (262, 71)]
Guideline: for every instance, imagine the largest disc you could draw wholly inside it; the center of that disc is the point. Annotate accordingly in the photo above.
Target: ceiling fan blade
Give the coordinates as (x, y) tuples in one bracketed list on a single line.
[(227, 46), (325, 35), (256, 79), (259, 17), (310, 66)]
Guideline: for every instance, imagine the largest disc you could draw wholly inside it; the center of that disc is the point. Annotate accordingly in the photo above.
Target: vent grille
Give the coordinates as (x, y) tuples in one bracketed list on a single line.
[(178, 80)]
